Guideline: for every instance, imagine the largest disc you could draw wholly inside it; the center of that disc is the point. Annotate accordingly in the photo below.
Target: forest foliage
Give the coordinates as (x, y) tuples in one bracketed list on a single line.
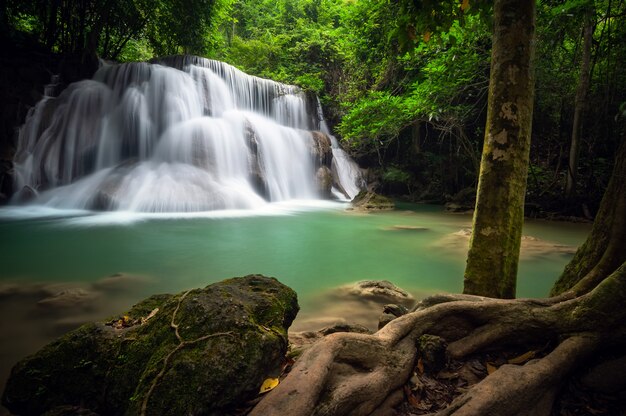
[(404, 83)]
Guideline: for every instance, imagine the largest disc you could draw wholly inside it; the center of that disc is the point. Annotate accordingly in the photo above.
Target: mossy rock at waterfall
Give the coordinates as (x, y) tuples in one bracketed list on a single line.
[(205, 352), (371, 201)]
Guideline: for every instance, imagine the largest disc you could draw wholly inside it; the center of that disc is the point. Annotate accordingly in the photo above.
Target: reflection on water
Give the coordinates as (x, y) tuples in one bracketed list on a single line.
[(59, 271)]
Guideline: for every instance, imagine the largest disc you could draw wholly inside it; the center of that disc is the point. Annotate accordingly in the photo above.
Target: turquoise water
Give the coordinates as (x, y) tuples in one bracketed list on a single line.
[(311, 251)]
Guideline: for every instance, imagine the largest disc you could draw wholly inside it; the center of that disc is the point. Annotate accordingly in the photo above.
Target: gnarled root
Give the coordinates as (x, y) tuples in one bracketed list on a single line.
[(360, 374)]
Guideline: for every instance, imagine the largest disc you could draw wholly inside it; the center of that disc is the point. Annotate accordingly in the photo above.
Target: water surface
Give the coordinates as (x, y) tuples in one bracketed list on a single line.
[(312, 251)]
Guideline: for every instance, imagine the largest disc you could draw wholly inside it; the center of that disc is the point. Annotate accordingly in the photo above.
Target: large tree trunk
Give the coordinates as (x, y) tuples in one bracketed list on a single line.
[(581, 99), (605, 247), (495, 243)]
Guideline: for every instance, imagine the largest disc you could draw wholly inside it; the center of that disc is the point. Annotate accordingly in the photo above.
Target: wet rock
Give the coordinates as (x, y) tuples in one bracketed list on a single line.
[(322, 149), (226, 339), (324, 181), (371, 201), (255, 167)]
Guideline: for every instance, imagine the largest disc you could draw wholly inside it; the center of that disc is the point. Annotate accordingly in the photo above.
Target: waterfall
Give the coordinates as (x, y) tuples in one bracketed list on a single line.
[(178, 134)]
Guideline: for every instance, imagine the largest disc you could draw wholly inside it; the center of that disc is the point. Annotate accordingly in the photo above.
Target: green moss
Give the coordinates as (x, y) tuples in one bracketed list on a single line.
[(366, 200), (235, 334)]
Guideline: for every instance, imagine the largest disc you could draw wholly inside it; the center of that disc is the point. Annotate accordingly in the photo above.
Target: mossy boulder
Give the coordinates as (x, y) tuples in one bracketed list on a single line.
[(371, 201), (202, 352)]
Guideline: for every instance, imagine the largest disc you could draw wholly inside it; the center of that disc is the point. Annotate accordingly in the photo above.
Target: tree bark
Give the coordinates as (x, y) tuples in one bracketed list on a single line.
[(494, 247), (581, 100), (604, 249)]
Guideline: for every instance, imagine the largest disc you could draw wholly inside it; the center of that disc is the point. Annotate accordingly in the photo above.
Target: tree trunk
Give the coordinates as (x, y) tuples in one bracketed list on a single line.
[(605, 246), (494, 247), (581, 100)]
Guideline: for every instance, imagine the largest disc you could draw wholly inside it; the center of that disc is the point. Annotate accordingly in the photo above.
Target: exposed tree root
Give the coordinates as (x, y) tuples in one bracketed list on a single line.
[(360, 374)]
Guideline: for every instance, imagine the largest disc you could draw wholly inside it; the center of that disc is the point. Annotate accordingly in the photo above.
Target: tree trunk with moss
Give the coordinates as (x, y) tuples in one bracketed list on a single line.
[(495, 244), (605, 247)]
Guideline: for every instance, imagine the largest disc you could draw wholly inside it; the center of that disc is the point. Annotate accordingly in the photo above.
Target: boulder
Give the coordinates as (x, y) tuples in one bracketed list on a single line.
[(371, 201), (321, 150), (204, 351)]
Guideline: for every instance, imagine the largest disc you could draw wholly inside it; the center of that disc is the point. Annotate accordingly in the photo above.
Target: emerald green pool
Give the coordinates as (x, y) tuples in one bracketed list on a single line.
[(309, 251), (312, 251)]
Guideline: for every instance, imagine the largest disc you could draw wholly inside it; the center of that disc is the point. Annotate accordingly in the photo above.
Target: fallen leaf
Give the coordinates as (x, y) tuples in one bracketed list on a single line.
[(420, 366), (465, 5), (268, 385), (150, 315), (491, 368), (523, 358), (413, 401), (426, 36)]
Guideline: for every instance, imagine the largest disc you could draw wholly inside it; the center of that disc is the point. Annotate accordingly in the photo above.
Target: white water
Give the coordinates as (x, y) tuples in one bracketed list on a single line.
[(186, 134)]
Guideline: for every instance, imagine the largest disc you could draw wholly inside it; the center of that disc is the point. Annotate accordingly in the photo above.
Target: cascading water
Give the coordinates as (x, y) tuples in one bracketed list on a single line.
[(181, 134)]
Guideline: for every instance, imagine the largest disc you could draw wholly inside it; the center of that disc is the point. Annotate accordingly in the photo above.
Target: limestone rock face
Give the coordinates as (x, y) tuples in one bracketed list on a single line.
[(201, 352)]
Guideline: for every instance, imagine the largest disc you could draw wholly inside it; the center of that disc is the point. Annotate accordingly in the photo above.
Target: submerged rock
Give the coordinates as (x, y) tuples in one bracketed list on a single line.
[(530, 246), (380, 291), (121, 282), (69, 298), (204, 351)]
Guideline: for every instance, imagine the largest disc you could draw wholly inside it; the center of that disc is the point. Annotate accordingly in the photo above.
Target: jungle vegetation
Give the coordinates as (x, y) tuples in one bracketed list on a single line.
[(404, 86), (420, 94)]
